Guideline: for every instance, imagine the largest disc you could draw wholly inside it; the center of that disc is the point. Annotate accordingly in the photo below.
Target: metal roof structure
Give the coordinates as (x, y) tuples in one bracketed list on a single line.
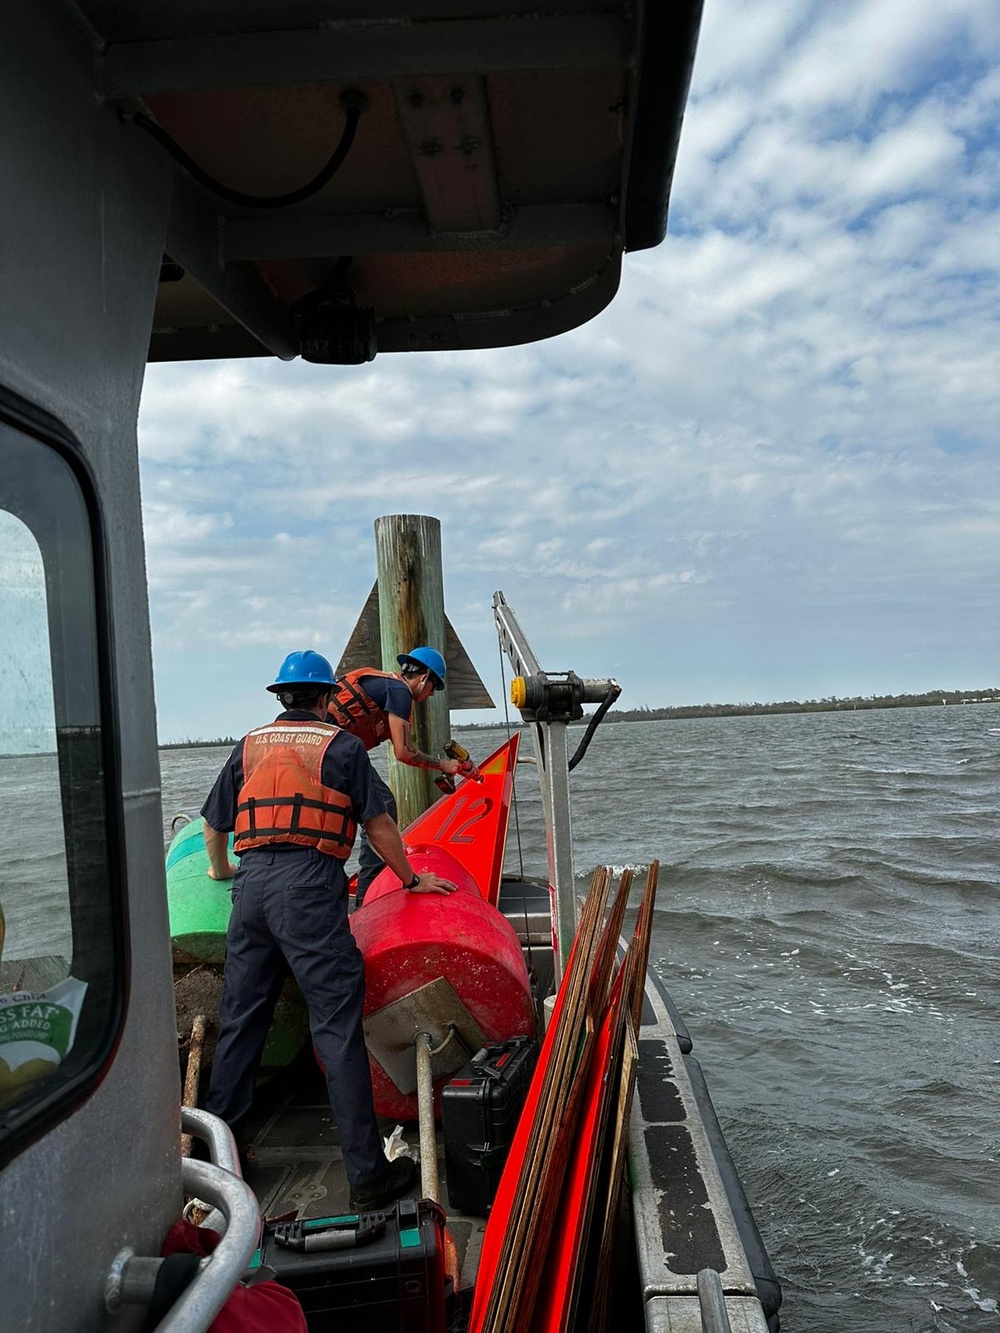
[(362, 175)]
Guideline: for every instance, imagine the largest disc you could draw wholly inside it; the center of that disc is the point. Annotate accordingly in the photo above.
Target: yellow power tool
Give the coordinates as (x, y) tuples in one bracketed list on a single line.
[(445, 782)]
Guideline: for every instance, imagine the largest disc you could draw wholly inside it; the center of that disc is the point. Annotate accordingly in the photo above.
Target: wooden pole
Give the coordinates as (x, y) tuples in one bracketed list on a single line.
[(411, 613), (193, 1074), (430, 1187)]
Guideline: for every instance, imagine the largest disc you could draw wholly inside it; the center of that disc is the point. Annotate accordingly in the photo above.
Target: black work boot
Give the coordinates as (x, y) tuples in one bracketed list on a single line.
[(398, 1178)]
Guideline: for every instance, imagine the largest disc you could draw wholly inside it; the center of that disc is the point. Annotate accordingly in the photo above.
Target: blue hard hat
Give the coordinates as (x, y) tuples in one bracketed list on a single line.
[(305, 668), (429, 658)]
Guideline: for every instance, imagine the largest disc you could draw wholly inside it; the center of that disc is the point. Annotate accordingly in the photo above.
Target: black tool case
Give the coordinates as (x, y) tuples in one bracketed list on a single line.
[(480, 1107), (384, 1270)]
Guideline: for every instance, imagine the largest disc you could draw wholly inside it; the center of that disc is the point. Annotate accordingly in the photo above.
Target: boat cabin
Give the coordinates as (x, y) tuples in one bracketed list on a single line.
[(212, 179)]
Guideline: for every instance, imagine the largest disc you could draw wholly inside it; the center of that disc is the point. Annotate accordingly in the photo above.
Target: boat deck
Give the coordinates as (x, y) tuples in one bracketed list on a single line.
[(686, 1211), (293, 1160), (294, 1164)]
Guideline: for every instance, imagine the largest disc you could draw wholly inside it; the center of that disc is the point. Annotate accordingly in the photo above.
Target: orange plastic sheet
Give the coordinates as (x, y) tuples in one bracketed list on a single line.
[(535, 1125), (556, 1309), (551, 1222)]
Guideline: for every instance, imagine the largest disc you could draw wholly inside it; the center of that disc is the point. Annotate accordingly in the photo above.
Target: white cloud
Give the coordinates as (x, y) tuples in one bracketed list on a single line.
[(855, 53), (908, 159)]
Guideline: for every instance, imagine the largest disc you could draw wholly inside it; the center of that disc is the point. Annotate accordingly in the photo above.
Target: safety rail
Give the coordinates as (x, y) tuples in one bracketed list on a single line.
[(132, 1278)]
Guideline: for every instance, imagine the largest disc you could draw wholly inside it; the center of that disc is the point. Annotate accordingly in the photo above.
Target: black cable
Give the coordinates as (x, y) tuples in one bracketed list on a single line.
[(592, 726), (353, 103)]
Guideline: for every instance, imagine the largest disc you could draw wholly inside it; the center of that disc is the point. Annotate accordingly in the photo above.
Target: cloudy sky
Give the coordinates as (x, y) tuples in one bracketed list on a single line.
[(768, 471)]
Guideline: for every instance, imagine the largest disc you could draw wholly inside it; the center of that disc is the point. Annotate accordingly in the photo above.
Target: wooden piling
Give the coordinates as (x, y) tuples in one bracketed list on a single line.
[(411, 613)]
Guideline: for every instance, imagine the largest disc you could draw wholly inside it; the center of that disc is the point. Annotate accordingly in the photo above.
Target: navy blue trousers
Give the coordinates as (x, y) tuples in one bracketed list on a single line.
[(290, 907), (369, 861)]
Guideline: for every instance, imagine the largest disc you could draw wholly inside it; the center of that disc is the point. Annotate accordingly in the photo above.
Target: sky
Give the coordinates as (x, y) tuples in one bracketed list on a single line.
[(769, 470)]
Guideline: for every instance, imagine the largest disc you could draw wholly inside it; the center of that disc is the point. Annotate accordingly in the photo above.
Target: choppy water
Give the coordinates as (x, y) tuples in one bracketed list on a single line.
[(827, 923)]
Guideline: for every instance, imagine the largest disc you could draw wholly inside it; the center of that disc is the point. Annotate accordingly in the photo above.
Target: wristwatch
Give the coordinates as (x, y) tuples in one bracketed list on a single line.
[(413, 882)]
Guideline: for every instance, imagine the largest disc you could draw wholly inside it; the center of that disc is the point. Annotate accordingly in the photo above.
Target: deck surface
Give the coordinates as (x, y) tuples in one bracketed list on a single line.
[(295, 1166)]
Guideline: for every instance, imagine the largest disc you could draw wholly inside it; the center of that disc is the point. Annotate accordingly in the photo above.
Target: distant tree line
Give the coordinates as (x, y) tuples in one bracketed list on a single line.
[(829, 704), (193, 745)]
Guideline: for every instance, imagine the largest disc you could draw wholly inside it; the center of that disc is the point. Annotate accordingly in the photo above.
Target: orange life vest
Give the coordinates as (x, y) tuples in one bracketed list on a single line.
[(352, 709), (283, 798)]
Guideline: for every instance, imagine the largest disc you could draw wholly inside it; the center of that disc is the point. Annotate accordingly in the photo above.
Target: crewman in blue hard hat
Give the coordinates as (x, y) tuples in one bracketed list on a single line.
[(377, 706), (293, 793)]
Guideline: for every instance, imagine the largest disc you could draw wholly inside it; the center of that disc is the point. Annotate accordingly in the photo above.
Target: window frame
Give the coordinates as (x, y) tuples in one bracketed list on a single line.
[(24, 1123)]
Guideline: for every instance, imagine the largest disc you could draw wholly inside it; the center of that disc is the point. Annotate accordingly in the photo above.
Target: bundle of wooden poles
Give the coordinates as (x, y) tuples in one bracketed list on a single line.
[(547, 1250)]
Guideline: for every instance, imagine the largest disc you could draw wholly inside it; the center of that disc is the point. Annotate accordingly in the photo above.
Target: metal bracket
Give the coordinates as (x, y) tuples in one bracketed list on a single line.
[(434, 1009)]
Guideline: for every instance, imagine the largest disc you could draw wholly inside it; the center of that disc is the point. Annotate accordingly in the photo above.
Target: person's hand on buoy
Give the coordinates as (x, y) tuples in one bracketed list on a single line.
[(221, 865), (429, 883)]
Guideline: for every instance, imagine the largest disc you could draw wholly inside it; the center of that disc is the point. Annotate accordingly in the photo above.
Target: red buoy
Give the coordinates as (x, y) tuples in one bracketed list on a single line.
[(450, 965)]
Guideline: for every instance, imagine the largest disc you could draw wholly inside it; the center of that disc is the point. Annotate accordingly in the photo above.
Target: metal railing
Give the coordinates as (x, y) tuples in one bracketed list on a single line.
[(132, 1278), (712, 1303)]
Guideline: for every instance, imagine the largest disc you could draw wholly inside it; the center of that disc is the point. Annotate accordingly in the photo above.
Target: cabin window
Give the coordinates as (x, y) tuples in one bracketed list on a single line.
[(62, 970)]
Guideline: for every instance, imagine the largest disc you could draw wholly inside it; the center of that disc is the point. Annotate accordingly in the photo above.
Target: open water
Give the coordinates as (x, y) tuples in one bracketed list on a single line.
[(827, 924)]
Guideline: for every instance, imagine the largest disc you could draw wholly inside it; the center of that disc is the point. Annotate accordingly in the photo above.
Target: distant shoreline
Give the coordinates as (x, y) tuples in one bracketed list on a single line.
[(933, 698), (829, 705)]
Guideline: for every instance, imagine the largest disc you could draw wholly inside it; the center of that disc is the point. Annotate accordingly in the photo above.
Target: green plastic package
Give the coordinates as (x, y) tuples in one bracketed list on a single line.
[(37, 1029)]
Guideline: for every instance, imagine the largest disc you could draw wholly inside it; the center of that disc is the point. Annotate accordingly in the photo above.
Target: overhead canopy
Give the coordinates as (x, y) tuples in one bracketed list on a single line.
[(503, 157)]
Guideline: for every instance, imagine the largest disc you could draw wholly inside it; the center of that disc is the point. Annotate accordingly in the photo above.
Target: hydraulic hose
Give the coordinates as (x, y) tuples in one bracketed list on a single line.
[(592, 726)]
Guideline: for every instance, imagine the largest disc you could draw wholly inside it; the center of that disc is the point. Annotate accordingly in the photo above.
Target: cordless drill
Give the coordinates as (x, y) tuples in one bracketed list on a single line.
[(444, 781)]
